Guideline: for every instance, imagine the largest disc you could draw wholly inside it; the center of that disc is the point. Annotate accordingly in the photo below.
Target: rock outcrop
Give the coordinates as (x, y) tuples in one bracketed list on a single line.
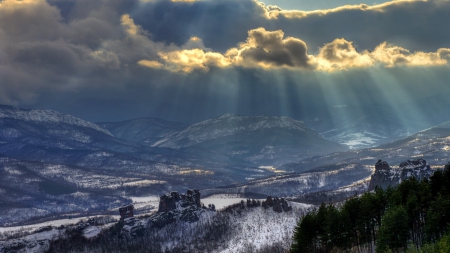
[(278, 204), (386, 176), (126, 211), (133, 227), (175, 206), (168, 201)]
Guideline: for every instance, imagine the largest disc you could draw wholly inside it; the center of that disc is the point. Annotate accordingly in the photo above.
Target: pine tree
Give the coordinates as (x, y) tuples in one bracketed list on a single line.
[(394, 232)]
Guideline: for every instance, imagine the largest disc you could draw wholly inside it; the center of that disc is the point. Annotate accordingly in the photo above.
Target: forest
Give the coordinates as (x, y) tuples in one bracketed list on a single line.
[(411, 217)]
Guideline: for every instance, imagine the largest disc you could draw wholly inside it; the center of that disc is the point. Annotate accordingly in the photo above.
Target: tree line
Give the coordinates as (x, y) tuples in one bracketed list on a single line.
[(413, 215)]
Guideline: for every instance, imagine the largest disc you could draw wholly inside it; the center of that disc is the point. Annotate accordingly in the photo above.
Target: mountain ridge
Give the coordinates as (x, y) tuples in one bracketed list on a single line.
[(145, 130), (46, 116)]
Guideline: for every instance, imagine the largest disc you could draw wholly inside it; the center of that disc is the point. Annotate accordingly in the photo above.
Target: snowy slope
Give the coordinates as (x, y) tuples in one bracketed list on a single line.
[(258, 228), (46, 117), (290, 185)]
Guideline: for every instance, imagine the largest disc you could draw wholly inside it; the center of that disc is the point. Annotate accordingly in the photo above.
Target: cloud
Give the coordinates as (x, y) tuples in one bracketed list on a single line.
[(262, 49), (150, 64), (158, 54), (393, 56), (29, 20), (271, 50), (42, 50), (196, 42), (341, 54), (444, 53), (274, 12), (416, 25)]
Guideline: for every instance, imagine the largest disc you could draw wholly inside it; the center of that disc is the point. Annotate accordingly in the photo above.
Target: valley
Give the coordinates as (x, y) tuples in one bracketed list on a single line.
[(58, 172)]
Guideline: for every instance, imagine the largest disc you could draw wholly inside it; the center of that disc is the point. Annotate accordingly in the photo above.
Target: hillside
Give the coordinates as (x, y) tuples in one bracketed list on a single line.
[(431, 144), (235, 228), (258, 139), (143, 130)]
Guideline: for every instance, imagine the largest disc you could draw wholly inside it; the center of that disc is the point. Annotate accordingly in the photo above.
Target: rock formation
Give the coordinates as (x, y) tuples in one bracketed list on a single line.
[(386, 176), (126, 211), (168, 201), (173, 206), (278, 204)]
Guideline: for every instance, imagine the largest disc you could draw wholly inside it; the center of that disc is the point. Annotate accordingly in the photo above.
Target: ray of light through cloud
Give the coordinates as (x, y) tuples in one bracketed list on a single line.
[(192, 60)]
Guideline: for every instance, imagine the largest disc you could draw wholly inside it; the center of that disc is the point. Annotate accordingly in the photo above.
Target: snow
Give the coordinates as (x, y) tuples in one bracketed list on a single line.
[(148, 202), (358, 139), (220, 203), (301, 205), (261, 227), (46, 116), (223, 196), (272, 168), (92, 231), (53, 223), (145, 199), (39, 242)]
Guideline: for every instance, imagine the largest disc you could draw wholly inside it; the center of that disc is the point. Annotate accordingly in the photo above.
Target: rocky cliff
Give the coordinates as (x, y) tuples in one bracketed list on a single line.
[(278, 204), (386, 176), (175, 206)]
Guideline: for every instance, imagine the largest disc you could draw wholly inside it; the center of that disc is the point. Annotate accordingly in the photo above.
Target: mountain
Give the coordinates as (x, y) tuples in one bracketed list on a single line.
[(366, 126), (142, 130), (52, 137), (432, 144), (16, 123), (263, 140)]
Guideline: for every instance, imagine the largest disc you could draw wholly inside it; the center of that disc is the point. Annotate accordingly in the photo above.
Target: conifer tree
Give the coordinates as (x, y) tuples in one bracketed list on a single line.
[(394, 232)]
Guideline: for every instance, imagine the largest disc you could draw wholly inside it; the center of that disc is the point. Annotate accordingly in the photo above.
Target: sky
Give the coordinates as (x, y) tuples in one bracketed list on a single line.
[(186, 61)]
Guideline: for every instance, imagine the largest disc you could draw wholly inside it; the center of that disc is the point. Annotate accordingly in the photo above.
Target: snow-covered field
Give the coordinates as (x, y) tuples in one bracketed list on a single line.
[(359, 139), (220, 203), (53, 223), (148, 199)]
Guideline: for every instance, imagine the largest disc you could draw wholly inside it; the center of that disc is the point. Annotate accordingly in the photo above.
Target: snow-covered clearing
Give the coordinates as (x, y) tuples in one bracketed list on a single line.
[(221, 203), (145, 199)]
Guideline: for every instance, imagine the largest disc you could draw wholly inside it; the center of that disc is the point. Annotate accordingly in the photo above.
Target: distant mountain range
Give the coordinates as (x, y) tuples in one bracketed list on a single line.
[(229, 140), (259, 139)]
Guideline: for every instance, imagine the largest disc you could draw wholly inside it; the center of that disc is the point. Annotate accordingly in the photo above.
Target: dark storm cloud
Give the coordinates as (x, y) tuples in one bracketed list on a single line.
[(81, 56), (416, 25), (220, 23), (42, 50)]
